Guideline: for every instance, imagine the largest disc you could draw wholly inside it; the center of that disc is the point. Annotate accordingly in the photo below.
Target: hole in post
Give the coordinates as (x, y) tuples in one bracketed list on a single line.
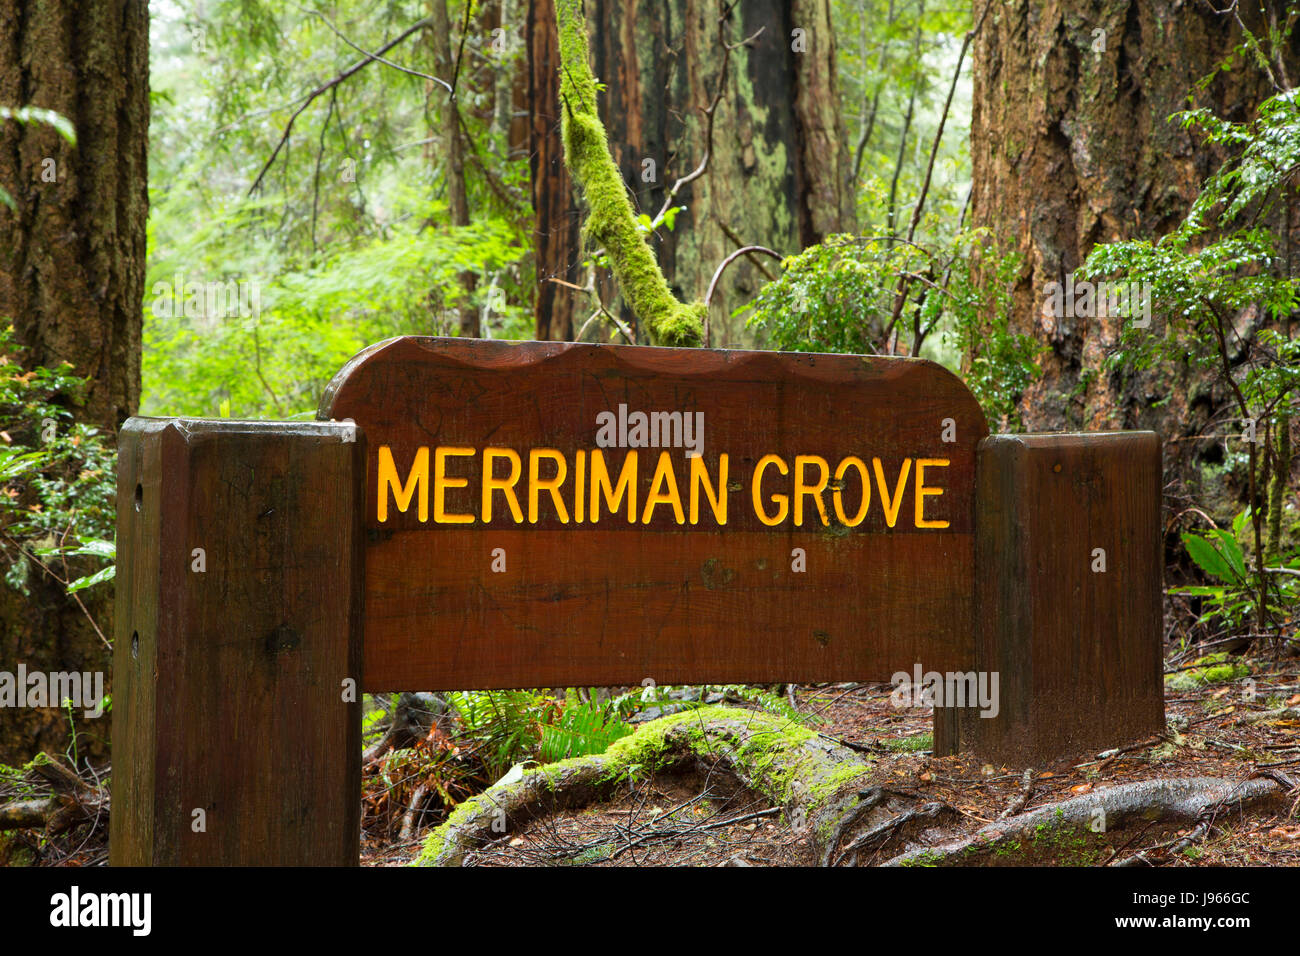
[(135, 645), (139, 496)]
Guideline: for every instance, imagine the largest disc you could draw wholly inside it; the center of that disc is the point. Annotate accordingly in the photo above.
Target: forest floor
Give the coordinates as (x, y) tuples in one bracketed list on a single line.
[(1213, 730), (1245, 725)]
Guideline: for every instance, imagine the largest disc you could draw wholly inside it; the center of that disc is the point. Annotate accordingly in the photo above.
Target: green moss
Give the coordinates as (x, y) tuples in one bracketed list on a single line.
[(1069, 846), (13, 853), (913, 744), (1211, 669), (436, 841), (927, 858), (1057, 844), (767, 751), (838, 780), (611, 221)]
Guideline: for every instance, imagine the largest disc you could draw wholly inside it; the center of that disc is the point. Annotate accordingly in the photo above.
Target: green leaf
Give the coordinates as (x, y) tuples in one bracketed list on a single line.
[(1231, 551), (96, 548), (1207, 557), (34, 114), (106, 574)]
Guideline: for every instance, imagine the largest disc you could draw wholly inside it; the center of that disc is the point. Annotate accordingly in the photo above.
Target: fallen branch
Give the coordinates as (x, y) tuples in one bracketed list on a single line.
[(326, 87), (1022, 799), (64, 800)]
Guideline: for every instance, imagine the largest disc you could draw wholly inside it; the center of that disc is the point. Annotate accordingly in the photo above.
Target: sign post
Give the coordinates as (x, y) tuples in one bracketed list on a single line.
[(237, 644), (1069, 603)]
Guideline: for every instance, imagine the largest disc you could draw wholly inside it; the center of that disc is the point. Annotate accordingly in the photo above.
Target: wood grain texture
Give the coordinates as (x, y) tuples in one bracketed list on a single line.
[(617, 603), (1078, 650), (228, 683)]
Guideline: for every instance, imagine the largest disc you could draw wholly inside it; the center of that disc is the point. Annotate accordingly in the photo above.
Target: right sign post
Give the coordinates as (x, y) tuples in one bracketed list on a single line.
[(1068, 596)]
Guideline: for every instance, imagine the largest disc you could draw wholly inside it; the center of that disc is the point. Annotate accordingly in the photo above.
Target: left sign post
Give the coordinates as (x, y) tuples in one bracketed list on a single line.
[(237, 644)]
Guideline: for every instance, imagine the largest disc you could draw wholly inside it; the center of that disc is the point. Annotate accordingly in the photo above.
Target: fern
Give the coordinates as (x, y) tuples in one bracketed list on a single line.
[(582, 728), (764, 699)]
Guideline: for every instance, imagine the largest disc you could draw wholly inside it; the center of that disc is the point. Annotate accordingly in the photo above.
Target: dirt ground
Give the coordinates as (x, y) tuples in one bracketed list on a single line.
[(695, 821)]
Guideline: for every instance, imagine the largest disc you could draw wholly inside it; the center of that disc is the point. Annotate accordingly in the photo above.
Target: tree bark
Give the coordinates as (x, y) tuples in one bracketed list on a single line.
[(557, 217), (1071, 146), (72, 255), (447, 109), (778, 174), (72, 266)]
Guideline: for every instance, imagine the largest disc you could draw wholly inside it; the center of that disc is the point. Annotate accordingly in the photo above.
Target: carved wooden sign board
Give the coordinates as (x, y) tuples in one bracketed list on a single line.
[(556, 514)]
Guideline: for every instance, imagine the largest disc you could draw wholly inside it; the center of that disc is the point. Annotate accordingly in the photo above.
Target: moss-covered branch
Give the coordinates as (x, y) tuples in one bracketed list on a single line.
[(611, 222)]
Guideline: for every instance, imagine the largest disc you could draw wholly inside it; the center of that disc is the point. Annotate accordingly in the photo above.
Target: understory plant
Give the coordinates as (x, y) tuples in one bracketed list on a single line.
[(890, 295), (1222, 296), (1228, 602), (57, 479)]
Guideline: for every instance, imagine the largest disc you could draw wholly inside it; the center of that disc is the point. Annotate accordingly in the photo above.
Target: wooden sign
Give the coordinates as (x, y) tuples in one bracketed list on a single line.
[(556, 514)]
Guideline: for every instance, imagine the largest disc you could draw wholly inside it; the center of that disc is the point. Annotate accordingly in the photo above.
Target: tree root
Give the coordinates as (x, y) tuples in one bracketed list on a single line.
[(1190, 800), (819, 787), (877, 836), (816, 782)]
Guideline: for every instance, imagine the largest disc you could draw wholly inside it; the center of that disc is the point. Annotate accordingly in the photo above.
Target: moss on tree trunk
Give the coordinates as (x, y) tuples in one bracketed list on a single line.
[(611, 222)]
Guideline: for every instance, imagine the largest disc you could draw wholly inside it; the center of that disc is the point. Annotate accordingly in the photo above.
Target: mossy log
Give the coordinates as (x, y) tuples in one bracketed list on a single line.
[(816, 781)]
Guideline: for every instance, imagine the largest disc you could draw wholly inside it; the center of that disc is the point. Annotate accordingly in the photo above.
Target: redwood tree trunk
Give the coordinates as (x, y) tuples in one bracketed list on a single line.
[(452, 147), (555, 208), (1071, 146), (779, 172), (72, 265), (72, 255)]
